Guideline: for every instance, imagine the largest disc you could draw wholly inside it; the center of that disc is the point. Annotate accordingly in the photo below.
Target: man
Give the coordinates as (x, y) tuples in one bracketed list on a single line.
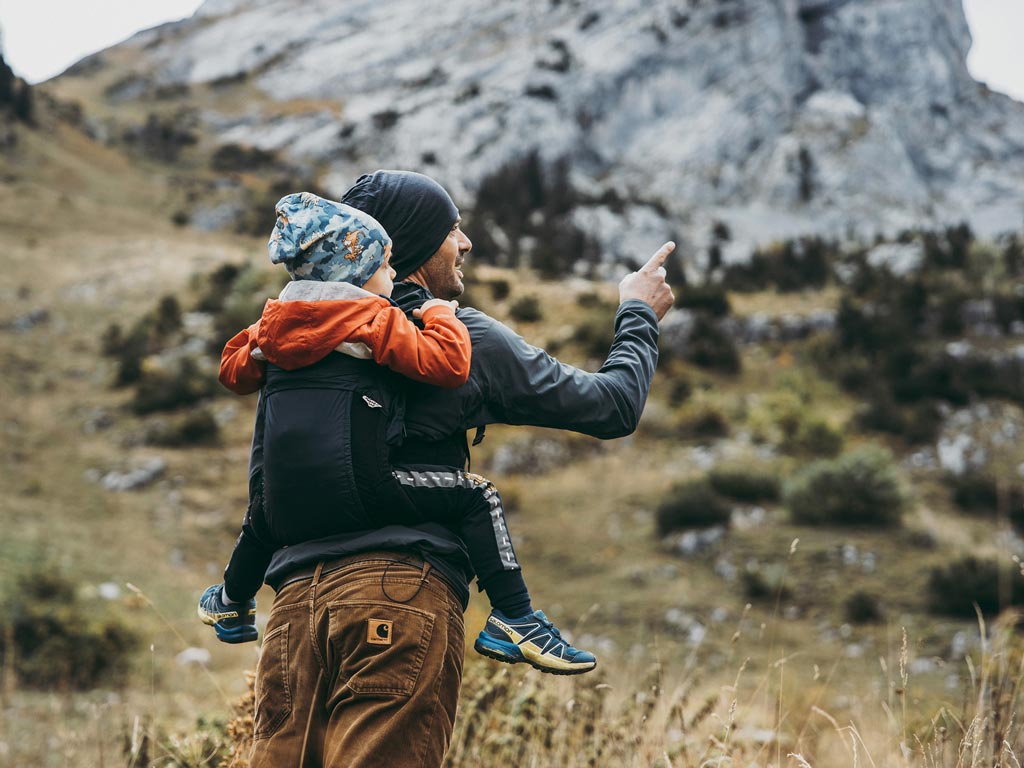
[(362, 655)]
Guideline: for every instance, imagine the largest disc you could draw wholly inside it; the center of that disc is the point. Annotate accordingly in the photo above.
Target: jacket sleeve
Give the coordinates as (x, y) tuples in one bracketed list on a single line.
[(440, 354), (521, 384), (247, 567), (239, 372)]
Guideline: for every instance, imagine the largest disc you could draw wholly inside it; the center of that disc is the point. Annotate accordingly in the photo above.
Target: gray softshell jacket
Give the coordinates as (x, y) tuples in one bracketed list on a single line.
[(510, 382)]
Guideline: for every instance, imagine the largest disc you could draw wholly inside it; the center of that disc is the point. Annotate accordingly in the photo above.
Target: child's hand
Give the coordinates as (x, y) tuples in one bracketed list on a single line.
[(418, 312)]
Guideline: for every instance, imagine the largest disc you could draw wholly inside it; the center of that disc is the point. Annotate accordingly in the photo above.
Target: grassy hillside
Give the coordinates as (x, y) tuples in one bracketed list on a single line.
[(746, 642)]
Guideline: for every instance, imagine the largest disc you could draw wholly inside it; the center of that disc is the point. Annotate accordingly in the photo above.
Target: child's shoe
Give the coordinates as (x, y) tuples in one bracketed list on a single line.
[(233, 622), (533, 639)]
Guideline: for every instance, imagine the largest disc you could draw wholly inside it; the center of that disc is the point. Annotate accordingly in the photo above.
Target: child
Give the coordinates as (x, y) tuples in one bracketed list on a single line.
[(329, 420)]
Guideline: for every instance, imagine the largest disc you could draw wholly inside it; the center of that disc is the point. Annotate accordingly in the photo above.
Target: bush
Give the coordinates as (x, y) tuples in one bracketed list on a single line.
[(500, 289), (765, 583), (162, 137), (858, 488), (712, 348), (243, 304), (132, 352), (789, 266), (863, 608), (215, 287), (167, 318), (701, 421), (748, 485), (956, 587), (238, 157), (594, 334), (163, 390), (691, 505), (198, 427), (704, 298), (978, 493), (917, 424), (680, 390), (811, 437), (56, 642), (526, 309)]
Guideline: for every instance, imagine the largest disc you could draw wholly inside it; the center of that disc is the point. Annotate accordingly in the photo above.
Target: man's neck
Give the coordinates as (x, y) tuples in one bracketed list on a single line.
[(416, 278)]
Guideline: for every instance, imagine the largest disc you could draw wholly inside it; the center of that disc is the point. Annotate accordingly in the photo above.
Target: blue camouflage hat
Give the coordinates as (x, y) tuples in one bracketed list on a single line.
[(318, 239)]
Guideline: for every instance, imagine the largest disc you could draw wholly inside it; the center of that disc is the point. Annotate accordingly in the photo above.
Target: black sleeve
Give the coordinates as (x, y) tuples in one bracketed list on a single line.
[(247, 567), (525, 385), (254, 548)]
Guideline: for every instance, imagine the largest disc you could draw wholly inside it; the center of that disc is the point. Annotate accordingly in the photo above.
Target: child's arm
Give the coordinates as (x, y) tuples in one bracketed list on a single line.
[(439, 354), (239, 372)]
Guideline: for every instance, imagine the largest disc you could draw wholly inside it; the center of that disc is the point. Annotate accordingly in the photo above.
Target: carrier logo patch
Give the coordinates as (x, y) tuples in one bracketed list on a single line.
[(378, 632), (371, 403)]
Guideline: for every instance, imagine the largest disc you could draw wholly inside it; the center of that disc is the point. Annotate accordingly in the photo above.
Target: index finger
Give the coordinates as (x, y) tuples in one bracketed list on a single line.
[(659, 257)]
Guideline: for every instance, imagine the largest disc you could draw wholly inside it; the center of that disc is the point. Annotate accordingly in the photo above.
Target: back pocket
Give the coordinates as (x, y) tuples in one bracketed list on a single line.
[(273, 690), (378, 648)]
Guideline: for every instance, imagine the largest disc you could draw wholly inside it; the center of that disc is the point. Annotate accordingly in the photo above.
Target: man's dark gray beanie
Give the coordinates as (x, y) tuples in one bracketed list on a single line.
[(414, 209)]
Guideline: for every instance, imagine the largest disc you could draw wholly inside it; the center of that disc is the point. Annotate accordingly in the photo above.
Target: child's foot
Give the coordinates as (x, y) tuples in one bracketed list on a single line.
[(533, 639), (233, 622)]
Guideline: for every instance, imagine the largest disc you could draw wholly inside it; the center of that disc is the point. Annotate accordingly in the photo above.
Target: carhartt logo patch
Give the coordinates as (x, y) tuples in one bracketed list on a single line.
[(378, 632)]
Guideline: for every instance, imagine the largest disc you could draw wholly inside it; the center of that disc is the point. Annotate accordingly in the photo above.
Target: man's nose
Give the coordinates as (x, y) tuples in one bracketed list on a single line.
[(465, 244)]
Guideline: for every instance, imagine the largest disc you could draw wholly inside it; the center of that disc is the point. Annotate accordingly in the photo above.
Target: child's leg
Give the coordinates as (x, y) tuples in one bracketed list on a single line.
[(471, 505), (514, 632)]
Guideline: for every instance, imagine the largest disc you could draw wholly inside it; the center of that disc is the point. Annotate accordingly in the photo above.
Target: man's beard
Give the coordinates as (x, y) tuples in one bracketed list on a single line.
[(442, 281)]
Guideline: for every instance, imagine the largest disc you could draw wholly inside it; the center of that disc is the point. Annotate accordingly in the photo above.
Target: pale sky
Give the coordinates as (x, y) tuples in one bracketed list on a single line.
[(41, 38)]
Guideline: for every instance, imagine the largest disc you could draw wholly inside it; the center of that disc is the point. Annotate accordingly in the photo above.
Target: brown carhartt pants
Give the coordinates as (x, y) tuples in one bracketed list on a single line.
[(360, 666)]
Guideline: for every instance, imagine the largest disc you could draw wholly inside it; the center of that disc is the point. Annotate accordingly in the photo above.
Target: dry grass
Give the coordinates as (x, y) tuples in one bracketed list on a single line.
[(774, 684), (646, 715)]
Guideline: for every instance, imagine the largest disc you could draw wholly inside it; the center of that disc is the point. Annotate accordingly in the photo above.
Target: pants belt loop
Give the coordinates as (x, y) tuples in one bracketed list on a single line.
[(312, 617), (320, 660)]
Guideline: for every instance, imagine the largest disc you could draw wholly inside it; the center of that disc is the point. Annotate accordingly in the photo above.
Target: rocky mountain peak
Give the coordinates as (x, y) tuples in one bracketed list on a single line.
[(778, 117)]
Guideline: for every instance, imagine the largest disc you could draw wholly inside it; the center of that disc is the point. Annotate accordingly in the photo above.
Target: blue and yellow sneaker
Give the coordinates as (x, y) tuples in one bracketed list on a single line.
[(233, 622), (533, 639)]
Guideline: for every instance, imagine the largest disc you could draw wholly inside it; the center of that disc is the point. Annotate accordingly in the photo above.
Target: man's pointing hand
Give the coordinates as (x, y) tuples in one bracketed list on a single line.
[(648, 283)]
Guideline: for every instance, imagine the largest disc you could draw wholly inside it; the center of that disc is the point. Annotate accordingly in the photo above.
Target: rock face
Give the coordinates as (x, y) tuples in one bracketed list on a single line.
[(779, 117)]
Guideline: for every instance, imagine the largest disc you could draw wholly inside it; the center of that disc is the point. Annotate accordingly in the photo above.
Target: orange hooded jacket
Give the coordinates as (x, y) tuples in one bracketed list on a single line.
[(311, 319)]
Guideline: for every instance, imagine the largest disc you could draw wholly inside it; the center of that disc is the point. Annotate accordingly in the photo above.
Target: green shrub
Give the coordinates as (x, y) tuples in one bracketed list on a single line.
[(862, 608), (197, 427), (793, 265), (167, 316), (956, 587), (811, 437), (680, 390), (243, 304), (858, 488), (594, 334), (593, 300), (917, 424), (132, 352), (55, 642), (704, 298), (750, 485), (767, 583), (712, 348), (526, 309), (241, 158), (691, 505), (162, 390), (978, 494), (500, 289), (701, 421), (215, 287)]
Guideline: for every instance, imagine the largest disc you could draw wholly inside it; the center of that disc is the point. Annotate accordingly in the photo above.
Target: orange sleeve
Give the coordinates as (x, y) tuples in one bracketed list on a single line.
[(439, 354), (238, 371)]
